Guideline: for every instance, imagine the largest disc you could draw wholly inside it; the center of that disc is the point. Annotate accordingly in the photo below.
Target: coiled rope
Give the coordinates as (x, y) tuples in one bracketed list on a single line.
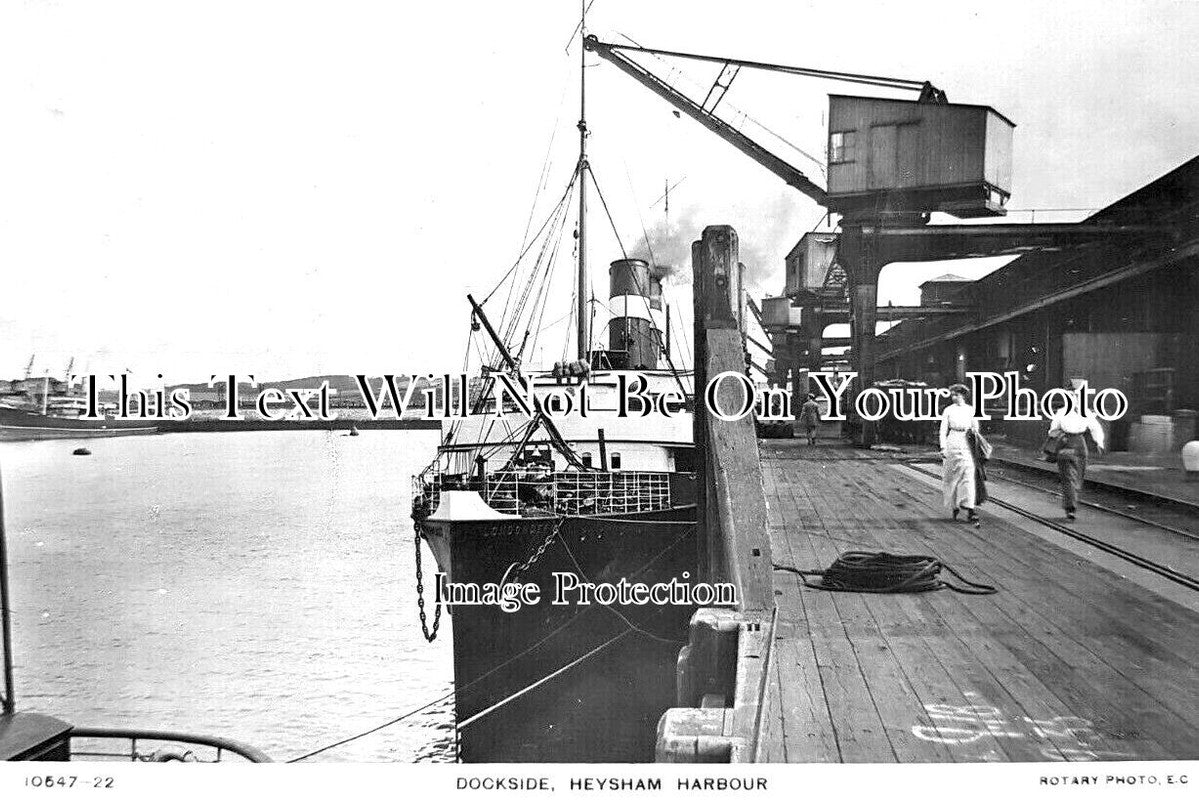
[(886, 573)]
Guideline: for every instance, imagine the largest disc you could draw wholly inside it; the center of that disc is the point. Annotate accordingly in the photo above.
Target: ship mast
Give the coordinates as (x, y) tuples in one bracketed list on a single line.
[(581, 171)]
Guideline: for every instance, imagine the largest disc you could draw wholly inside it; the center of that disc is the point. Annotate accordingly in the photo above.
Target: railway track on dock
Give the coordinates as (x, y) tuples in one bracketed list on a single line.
[(1168, 507), (1131, 557)]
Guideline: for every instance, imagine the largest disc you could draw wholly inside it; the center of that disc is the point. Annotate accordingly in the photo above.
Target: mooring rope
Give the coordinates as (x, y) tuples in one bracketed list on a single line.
[(575, 617), (503, 702), (886, 573)]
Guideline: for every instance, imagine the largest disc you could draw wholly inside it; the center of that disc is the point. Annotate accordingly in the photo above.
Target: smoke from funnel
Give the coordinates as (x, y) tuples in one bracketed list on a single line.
[(767, 231), (667, 246)]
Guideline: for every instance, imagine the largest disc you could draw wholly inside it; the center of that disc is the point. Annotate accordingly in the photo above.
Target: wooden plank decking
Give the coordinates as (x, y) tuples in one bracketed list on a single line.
[(1068, 662)]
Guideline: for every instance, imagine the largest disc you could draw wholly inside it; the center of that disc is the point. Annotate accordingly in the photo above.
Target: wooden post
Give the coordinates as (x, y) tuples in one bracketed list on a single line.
[(735, 540), (723, 672), (704, 558)]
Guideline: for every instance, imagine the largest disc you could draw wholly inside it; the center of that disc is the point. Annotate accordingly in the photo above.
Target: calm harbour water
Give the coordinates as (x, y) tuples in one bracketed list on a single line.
[(252, 585)]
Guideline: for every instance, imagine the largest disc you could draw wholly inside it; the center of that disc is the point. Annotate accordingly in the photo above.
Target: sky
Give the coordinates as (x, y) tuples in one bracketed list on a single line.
[(297, 188)]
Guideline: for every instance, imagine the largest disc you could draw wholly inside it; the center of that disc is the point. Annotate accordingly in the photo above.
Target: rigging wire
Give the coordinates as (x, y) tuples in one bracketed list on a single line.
[(628, 622), (511, 321), (512, 315), (375, 729), (603, 201), (665, 195), (578, 27), (559, 320), (810, 72), (643, 289), (734, 110), (630, 626), (549, 246), (569, 621), (444, 697), (566, 339), (543, 297), (529, 246), (542, 182), (503, 702), (543, 179), (649, 247)]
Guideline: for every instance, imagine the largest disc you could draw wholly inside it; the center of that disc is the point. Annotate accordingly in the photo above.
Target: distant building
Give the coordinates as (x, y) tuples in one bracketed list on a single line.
[(1120, 315), (945, 289)]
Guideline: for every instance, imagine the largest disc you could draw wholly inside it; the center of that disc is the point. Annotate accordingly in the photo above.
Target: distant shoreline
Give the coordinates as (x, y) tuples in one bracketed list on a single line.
[(213, 425)]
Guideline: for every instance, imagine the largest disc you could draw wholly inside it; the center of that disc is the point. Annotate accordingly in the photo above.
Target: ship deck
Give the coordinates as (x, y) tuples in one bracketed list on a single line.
[(1075, 658)]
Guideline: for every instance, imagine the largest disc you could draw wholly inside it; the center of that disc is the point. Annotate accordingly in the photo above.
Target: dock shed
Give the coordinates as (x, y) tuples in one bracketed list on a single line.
[(910, 156), (779, 314), (809, 261)]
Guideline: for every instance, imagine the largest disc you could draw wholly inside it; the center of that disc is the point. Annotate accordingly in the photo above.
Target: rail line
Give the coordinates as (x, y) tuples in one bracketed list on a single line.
[(1145, 563), (1100, 507)]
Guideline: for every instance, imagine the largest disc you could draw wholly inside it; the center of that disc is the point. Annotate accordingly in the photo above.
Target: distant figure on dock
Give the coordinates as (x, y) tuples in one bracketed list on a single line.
[(809, 417), (959, 481), (1070, 429)]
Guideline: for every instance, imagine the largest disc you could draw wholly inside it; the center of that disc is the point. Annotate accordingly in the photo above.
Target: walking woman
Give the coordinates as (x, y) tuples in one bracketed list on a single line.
[(809, 417), (1069, 429), (959, 481)]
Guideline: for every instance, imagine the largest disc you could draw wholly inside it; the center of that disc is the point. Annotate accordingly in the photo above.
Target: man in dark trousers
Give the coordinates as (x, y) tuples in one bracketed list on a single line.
[(1071, 427)]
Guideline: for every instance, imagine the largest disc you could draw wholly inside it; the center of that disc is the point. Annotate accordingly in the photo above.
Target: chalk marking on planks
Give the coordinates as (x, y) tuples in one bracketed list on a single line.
[(1066, 738)]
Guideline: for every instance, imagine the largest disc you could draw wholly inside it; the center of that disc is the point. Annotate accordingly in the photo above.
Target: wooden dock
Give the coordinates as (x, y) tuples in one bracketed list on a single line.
[(1068, 661), (1076, 657)]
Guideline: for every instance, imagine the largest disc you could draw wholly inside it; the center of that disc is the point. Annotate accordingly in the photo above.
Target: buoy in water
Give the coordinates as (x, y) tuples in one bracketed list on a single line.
[(81, 451)]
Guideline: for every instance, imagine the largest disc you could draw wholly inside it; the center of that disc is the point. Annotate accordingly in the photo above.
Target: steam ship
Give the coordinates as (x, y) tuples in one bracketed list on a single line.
[(528, 499), (531, 497)]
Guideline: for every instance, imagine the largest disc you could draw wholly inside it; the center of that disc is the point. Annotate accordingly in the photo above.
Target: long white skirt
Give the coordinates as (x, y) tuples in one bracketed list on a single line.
[(958, 480)]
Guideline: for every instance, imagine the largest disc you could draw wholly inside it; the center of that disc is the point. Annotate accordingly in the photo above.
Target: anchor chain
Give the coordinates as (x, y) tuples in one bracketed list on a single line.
[(538, 553), (420, 596), (515, 569)]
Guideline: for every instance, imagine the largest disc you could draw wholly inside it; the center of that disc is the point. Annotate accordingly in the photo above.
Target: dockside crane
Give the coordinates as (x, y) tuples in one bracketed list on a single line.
[(705, 112), (883, 220)]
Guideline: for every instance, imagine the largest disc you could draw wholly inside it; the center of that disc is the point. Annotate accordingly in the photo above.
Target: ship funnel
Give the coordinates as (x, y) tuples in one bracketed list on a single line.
[(635, 292), (629, 276)]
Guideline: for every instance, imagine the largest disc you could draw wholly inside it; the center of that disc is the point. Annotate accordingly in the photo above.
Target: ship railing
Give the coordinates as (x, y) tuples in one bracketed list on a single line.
[(122, 744), (573, 493), (586, 493), (502, 490)]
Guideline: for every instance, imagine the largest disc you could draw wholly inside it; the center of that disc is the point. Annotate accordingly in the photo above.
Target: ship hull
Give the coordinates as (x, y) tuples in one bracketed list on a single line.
[(17, 425), (612, 677)]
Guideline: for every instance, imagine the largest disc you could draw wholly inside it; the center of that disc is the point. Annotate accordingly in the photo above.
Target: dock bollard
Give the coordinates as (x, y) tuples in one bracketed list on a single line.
[(719, 676), (699, 730), (1190, 460)]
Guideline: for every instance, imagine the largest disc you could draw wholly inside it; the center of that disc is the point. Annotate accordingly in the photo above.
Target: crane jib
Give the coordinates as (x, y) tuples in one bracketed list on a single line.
[(790, 175)]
